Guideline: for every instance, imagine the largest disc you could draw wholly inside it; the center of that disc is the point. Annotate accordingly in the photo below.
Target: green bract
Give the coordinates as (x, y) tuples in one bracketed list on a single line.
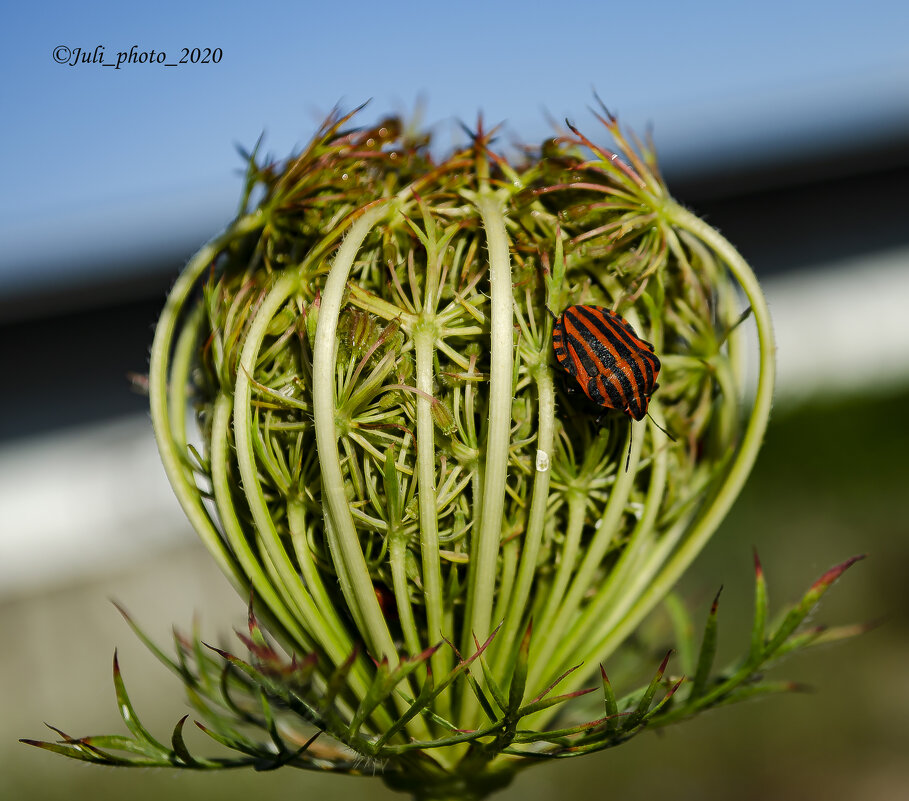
[(442, 541)]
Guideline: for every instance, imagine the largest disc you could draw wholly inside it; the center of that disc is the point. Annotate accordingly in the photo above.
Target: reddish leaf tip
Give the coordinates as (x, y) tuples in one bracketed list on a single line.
[(665, 662), (758, 569), (835, 572), (716, 601), (869, 625), (118, 606), (427, 653), (218, 651), (454, 648), (60, 732)]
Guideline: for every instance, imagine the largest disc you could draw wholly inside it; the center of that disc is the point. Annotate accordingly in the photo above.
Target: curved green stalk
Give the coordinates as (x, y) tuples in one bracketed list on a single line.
[(509, 567), (424, 338), (577, 510), (337, 648), (181, 367), (262, 584), (500, 394), (396, 559), (514, 618), (346, 546), (491, 501), (296, 522), (169, 436), (757, 423)]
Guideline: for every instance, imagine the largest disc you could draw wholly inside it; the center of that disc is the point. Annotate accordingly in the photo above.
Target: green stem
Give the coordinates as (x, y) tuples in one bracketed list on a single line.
[(500, 396), (577, 508), (491, 517), (335, 644), (426, 474), (754, 432), (530, 551), (296, 523), (183, 361), (233, 530), (169, 433), (396, 558), (350, 562), (509, 569)]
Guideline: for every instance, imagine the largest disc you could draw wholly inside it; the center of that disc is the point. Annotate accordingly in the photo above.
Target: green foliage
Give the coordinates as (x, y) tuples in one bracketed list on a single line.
[(287, 709)]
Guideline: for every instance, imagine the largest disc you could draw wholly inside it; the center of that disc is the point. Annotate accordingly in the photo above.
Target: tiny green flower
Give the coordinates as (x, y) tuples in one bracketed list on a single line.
[(441, 536)]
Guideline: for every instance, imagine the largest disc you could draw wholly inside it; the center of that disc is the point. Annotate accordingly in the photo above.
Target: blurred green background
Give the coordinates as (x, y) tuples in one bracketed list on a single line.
[(830, 483)]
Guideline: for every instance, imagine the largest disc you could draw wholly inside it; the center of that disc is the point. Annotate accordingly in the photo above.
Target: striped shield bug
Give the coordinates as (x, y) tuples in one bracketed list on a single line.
[(614, 367)]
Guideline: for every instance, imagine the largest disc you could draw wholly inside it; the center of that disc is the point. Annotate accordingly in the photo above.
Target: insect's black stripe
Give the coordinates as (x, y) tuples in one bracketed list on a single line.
[(616, 333), (600, 363), (558, 344), (623, 331), (629, 348), (587, 378), (588, 361), (636, 357), (612, 353), (594, 360), (560, 347), (631, 337)]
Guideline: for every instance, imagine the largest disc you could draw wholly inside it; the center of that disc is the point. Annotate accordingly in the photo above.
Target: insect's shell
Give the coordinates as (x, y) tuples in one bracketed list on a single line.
[(614, 367)]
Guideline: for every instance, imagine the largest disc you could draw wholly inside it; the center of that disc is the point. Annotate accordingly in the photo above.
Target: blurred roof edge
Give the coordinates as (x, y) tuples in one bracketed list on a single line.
[(94, 275), (880, 152), (99, 285)]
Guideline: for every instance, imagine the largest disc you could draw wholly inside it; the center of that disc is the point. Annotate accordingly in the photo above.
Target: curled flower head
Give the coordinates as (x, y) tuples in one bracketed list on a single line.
[(448, 499), (393, 457)]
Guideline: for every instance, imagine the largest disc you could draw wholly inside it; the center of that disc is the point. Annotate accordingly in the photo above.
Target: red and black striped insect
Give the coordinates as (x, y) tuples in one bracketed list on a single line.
[(614, 367)]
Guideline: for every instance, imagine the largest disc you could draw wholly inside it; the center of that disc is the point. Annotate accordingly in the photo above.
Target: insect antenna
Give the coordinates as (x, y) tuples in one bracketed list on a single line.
[(674, 439), (630, 440)]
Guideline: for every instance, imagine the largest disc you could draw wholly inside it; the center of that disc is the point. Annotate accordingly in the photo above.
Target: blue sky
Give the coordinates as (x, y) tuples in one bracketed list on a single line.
[(100, 162)]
